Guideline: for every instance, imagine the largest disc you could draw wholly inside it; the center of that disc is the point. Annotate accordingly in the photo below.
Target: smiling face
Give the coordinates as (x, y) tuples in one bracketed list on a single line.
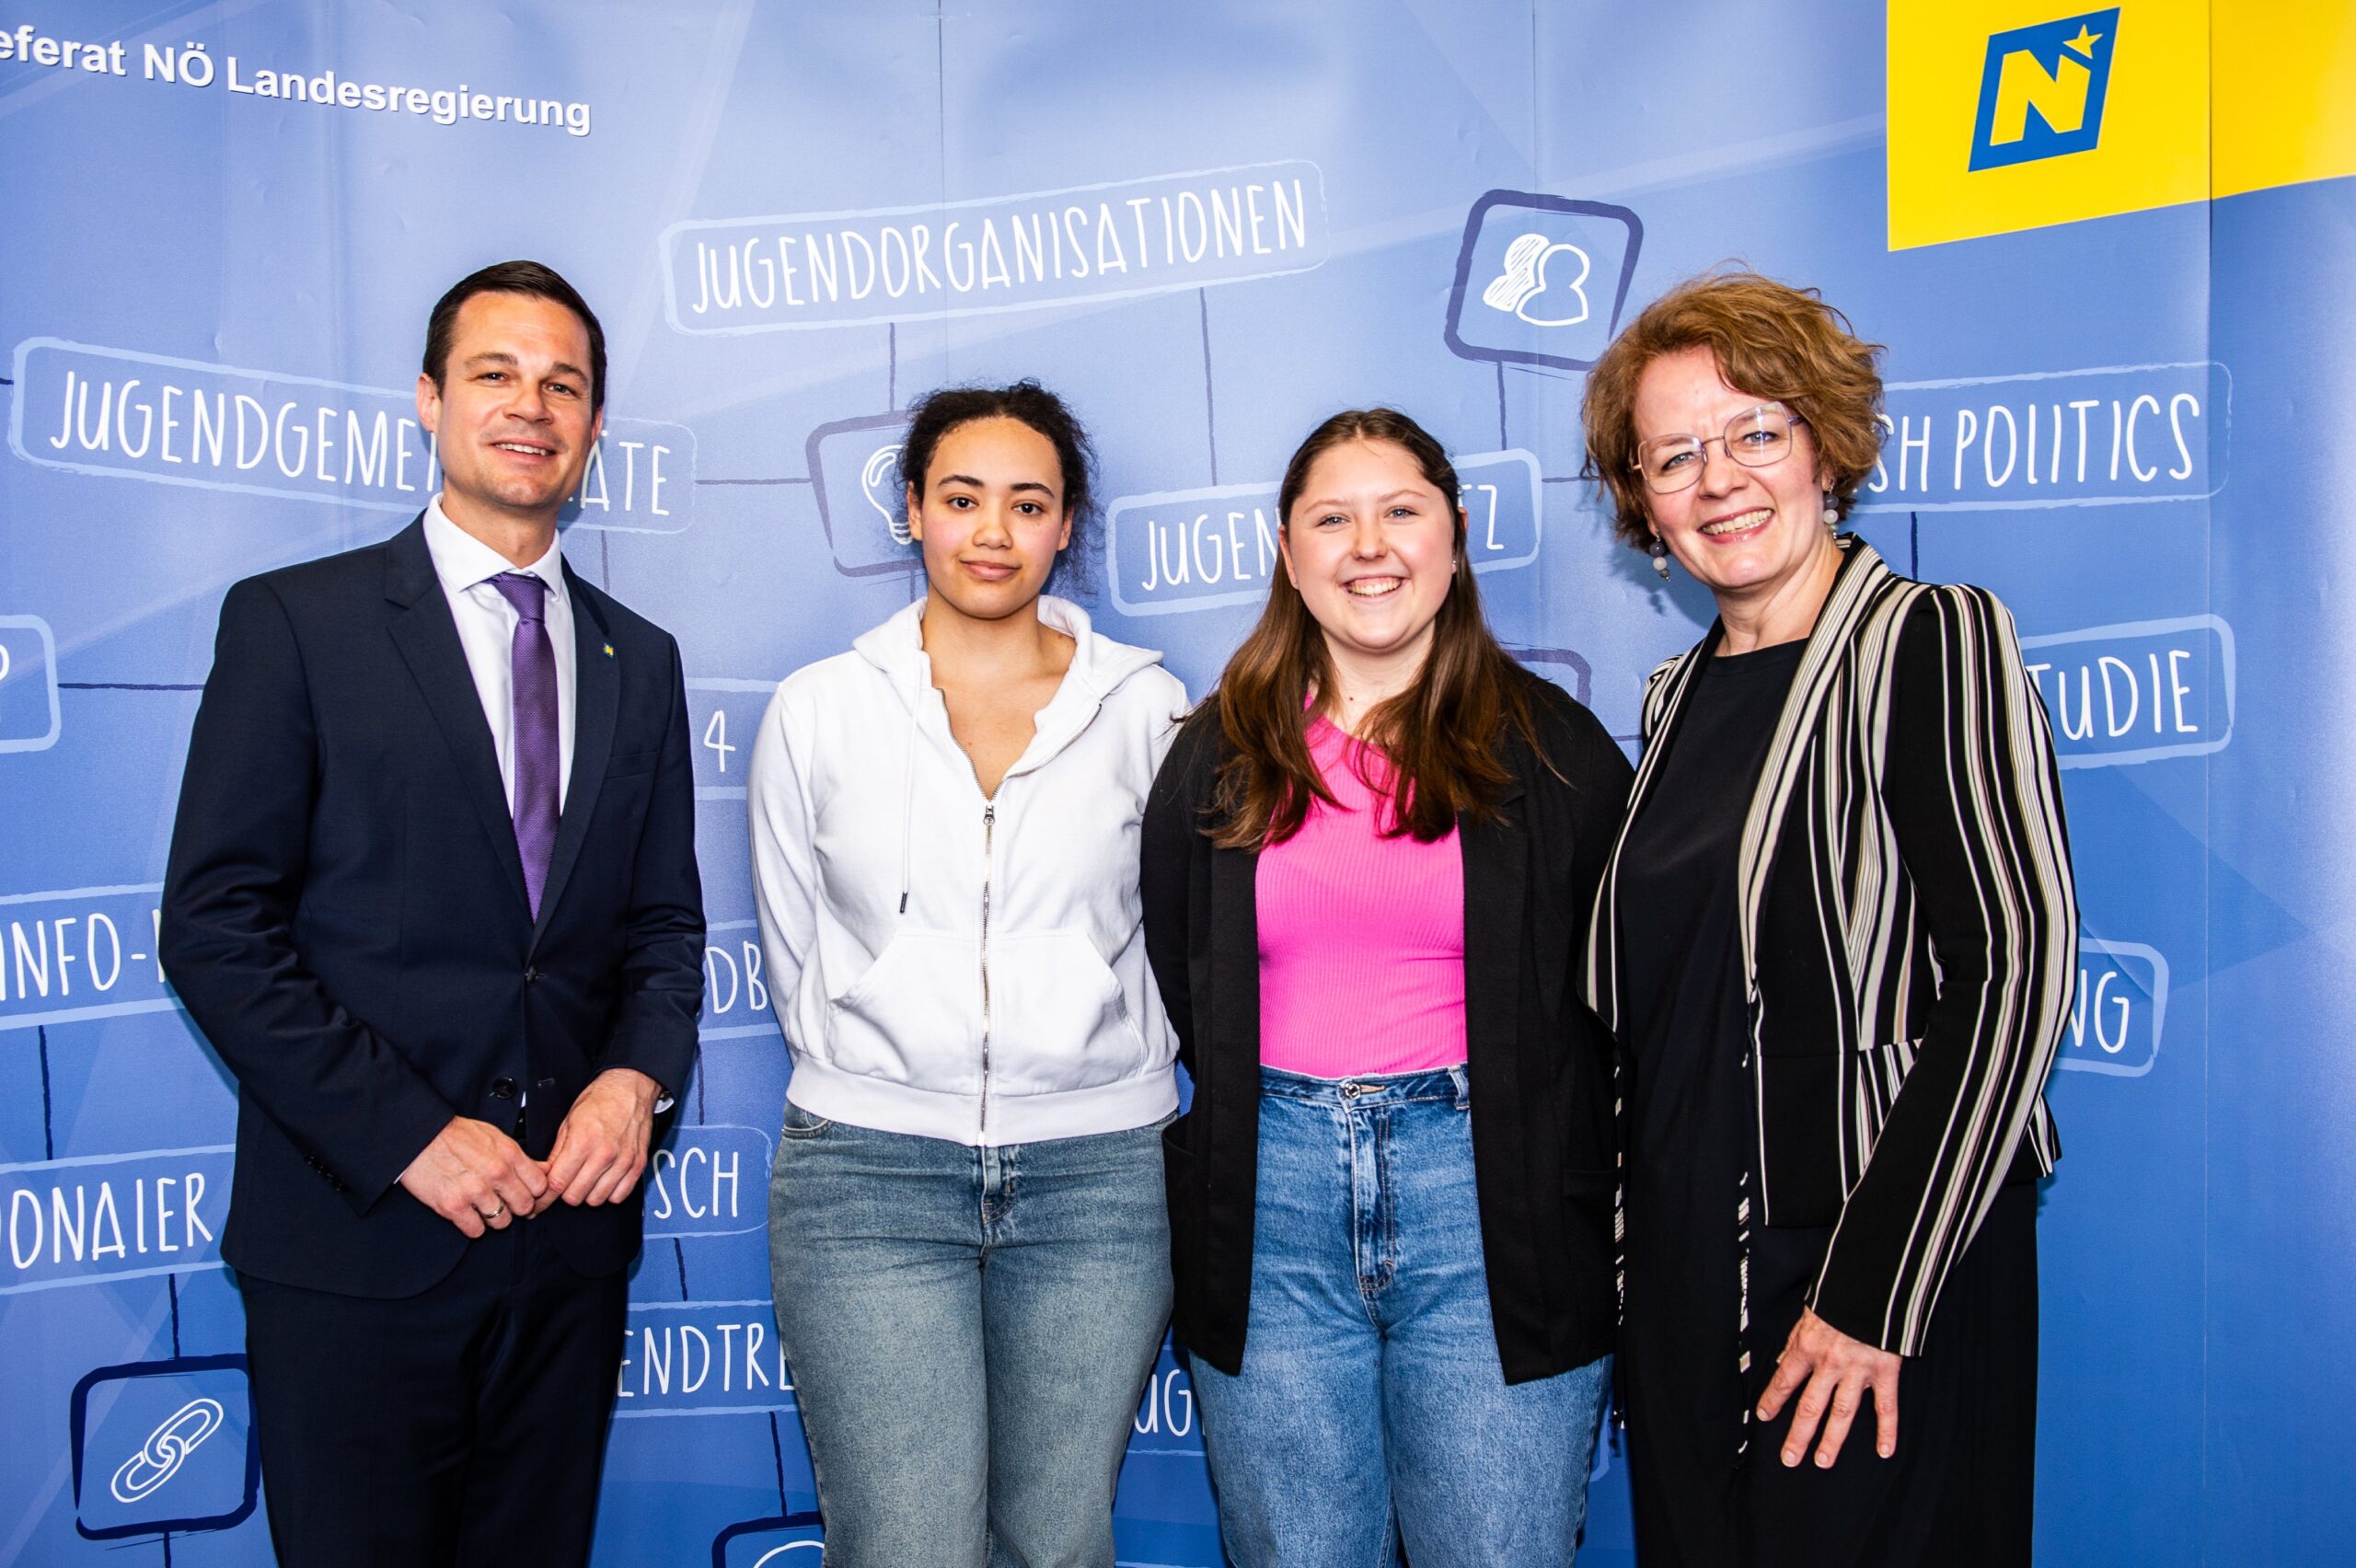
[(511, 418), (1750, 535), (1371, 544), (991, 517)]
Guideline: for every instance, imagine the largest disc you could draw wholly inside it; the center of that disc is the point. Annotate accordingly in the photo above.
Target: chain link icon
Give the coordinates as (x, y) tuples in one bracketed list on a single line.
[(167, 1449)]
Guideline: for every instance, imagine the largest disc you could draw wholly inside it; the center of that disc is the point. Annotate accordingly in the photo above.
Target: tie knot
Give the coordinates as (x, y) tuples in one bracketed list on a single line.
[(528, 593)]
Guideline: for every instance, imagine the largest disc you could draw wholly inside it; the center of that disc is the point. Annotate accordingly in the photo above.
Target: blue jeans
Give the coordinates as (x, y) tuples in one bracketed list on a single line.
[(969, 1331), (1370, 1382)]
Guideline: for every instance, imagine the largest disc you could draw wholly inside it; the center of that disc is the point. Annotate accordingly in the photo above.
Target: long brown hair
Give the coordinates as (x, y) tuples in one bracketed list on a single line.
[(1442, 736)]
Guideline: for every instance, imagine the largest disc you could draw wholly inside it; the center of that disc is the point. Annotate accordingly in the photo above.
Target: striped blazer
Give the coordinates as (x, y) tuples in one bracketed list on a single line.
[(1909, 932)]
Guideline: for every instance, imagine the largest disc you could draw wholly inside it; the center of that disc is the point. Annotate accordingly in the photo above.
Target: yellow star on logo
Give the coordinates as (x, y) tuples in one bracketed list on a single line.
[(2083, 43)]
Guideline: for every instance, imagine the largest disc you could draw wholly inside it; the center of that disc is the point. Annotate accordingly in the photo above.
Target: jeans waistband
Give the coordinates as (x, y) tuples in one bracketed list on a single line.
[(1369, 1088)]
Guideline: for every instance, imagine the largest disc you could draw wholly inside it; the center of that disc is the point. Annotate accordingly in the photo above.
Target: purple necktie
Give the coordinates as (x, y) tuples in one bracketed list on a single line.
[(533, 663)]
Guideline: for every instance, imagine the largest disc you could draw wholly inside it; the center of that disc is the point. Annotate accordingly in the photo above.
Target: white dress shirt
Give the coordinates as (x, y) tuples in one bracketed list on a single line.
[(486, 631)]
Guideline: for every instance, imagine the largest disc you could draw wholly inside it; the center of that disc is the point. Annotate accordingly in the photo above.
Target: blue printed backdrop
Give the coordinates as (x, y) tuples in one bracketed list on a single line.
[(1208, 228)]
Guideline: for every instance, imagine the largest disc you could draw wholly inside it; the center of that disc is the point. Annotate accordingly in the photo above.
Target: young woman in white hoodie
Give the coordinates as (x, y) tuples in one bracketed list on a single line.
[(968, 1238)]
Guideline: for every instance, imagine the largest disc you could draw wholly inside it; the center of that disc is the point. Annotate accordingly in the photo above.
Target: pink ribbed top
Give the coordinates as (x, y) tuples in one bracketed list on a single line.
[(1361, 937)]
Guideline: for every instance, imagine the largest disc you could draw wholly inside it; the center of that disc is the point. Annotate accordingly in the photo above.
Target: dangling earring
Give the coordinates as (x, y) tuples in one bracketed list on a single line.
[(1832, 510), (1660, 557)]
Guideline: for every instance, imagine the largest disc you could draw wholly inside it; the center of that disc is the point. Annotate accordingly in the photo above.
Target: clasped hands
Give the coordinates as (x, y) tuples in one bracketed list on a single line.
[(477, 1178)]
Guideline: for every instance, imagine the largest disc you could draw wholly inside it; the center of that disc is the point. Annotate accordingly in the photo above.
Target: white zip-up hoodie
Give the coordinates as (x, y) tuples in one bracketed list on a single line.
[(945, 964)]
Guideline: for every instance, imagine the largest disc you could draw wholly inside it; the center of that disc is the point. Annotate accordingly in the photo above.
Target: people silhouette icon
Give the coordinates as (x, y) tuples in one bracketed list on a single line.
[(1524, 283)]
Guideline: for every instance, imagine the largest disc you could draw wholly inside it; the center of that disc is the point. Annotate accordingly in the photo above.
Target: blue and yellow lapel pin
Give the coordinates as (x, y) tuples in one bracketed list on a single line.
[(609, 650)]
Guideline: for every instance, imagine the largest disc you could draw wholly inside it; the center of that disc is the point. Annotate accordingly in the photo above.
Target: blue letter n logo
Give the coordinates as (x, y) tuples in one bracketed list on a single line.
[(2042, 92)]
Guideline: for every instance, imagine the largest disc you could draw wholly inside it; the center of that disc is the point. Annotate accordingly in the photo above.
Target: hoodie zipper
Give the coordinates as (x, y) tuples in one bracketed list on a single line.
[(989, 827)]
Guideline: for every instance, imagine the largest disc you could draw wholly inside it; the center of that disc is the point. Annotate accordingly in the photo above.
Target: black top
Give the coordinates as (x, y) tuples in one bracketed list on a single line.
[(1686, 1023), (1540, 1062)]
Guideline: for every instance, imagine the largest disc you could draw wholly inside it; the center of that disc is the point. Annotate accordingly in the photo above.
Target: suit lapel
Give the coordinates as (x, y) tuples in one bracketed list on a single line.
[(1854, 593), (427, 637), (596, 700)]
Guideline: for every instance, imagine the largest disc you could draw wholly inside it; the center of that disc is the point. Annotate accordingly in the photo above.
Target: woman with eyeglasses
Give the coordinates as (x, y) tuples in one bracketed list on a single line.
[(1836, 943)]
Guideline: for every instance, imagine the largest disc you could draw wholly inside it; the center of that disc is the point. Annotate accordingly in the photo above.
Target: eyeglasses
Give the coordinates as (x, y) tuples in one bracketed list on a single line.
[(1756, 438)]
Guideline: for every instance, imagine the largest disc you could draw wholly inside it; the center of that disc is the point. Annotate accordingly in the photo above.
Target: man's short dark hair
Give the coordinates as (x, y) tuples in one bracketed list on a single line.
[(514, 277)]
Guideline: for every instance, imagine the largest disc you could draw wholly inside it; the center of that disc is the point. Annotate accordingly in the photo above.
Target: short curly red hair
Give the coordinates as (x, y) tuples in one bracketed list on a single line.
[(1770, 339)]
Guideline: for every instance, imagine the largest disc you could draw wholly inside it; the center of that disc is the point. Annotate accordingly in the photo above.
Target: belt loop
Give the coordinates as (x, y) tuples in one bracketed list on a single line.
[(1464, 1087)]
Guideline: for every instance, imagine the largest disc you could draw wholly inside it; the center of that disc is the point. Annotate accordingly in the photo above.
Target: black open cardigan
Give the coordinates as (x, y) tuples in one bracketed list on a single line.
[(1540, 1062)]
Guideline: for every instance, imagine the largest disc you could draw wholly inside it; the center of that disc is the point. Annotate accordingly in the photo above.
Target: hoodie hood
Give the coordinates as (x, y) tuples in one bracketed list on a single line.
[(1098, 664)]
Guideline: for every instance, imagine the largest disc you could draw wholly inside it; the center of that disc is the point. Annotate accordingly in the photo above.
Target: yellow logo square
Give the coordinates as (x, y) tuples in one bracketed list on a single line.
[(1960, 75)]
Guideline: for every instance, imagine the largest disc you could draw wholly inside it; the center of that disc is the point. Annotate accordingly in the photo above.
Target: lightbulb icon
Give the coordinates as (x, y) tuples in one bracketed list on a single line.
[(879, 481)]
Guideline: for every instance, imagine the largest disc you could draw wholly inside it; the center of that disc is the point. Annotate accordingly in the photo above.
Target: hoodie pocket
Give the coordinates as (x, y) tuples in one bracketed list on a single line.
[(1057, 1018), (914, 1017)]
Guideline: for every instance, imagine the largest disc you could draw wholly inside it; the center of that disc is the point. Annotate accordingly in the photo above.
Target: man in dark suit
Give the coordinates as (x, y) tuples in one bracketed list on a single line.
[(432, 897)]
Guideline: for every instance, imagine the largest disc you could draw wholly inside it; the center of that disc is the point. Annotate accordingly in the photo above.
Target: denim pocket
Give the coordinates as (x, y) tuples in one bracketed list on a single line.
[(800, 1124)]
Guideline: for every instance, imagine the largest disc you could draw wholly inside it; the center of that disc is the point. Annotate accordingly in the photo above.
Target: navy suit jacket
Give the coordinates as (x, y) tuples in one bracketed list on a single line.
[(344, 913)]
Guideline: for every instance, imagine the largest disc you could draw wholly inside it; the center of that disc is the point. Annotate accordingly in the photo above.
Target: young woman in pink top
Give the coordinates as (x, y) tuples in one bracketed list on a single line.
[(1369, 861)]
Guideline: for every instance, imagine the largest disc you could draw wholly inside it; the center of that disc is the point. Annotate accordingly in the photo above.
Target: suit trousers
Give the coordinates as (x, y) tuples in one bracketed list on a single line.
[(462, 1426)]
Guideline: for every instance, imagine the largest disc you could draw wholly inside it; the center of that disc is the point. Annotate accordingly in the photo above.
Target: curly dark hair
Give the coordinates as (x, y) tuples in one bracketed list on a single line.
[(1028, 403)]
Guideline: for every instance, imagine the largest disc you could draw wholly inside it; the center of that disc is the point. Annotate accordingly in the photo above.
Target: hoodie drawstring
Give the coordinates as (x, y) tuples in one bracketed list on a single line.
[(1099, 667), (908, 806)]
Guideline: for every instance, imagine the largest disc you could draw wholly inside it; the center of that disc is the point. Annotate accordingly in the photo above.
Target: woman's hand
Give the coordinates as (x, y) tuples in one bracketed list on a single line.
[(1838, 1370)]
